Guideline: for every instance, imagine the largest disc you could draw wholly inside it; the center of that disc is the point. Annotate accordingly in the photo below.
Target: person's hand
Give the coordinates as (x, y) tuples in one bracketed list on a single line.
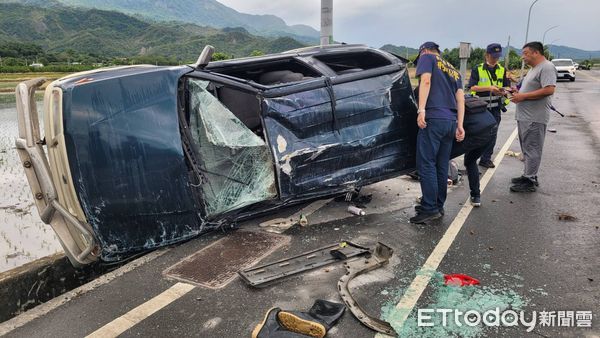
[(460, 134), (421, 120), (495, 90), (517, 97)]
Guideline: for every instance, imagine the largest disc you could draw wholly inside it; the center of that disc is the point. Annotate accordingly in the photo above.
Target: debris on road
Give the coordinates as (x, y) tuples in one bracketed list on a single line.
[(261, 275), (356, 211), (379, 258), (303, 220), (513, 154), (459, 279), (552, 130), (566, 217), (280, 225), (481, 299)]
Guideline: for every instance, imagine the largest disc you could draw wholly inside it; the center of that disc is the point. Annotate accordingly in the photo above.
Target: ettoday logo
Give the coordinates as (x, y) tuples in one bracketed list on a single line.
[(505, 318)]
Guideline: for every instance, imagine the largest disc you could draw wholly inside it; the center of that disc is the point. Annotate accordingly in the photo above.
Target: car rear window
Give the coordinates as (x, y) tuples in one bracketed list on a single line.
[(562, 63), (271, 73), (351, 62)]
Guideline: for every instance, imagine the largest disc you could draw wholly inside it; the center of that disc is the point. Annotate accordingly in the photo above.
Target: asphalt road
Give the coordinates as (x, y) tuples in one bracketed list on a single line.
[(525, 257)]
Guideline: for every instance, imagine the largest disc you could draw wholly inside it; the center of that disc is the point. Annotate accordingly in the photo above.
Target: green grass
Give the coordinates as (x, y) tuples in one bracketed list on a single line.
[(6, 85), (8, 100), (6, 77)]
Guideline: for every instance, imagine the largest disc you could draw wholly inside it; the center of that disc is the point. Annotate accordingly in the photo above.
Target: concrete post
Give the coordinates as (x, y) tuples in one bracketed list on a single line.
[(464, 52), (326, 22)]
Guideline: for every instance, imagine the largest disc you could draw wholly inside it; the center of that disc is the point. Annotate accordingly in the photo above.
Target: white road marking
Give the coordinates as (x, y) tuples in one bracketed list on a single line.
[(418, 285), (133, 317), (43, 309)]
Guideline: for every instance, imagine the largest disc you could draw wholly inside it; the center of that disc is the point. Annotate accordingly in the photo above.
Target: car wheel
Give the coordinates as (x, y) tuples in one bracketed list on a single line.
[(572, 79)]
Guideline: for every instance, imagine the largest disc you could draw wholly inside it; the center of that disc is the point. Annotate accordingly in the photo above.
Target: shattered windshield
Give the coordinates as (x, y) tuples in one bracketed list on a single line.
[(235, 161)]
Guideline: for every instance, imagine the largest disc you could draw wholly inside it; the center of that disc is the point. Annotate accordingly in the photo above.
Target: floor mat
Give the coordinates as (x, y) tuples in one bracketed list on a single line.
[(217, 264)]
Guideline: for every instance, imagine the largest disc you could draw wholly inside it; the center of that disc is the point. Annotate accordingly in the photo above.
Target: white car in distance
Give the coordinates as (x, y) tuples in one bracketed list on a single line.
[(565, 68)]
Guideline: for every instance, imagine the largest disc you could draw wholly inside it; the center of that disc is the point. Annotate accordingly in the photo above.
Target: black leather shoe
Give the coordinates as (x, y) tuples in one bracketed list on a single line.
[(327, 312), (422, 218), (527, 186), (522, 179), (418, 208), (487, 164)]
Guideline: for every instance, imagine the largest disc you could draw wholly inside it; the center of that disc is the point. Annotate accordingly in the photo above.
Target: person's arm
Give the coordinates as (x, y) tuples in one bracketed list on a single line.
[(492, 89), (424, 71), (460, 112), (534, 95), (424, 88)]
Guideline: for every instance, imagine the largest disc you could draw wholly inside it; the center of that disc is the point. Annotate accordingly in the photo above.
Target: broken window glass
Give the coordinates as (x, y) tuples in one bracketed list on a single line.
[(236, 162)]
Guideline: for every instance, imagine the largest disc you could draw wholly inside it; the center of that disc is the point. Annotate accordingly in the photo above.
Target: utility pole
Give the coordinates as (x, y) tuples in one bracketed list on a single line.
[(326, 22), (507, 55)]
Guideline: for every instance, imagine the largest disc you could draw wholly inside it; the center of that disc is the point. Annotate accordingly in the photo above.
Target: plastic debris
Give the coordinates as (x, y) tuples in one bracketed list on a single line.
[(356, 211), (303, 220), (513, 154), (459, 279), (566, 217)]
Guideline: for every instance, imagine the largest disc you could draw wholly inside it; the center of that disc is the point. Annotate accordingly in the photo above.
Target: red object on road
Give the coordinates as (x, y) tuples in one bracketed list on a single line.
[(459, 279)]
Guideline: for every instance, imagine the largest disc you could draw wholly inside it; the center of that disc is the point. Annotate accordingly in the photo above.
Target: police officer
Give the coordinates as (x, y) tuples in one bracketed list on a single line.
[(440, 118), (487, 81)]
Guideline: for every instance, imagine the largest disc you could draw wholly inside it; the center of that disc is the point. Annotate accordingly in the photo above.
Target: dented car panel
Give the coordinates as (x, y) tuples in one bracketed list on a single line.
[(126, 159), (342, 136)]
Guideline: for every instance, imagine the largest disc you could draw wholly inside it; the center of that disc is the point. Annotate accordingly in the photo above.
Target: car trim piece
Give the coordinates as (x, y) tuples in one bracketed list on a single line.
[(75, 235), (380, 257), (260, 276)]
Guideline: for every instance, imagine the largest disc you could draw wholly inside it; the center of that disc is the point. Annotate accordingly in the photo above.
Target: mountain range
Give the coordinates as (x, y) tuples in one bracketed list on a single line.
[(113, 34), (121, 28), (199, 12)]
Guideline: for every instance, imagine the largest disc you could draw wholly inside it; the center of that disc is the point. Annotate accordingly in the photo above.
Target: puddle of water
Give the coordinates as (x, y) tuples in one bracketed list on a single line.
[(23, 236)]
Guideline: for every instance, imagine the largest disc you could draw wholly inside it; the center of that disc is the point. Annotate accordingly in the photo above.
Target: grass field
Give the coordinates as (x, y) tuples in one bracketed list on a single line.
[(9, 81)]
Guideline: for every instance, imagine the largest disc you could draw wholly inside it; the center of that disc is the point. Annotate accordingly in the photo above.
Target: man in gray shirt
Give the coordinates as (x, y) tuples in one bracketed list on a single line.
[(533, 101)]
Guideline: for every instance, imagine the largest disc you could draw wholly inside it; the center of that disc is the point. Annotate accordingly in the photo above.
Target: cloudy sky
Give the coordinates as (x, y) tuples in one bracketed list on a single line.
[(410, 22)]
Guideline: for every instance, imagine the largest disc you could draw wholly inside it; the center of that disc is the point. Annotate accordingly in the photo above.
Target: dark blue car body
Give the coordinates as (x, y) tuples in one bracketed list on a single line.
[(139, 162)]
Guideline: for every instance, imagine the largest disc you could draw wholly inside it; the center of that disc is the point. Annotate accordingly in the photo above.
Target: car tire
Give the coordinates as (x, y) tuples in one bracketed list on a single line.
[(572, 79)]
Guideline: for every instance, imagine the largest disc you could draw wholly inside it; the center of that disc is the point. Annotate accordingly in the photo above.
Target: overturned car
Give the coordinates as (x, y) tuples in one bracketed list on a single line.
[(135, 158)]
